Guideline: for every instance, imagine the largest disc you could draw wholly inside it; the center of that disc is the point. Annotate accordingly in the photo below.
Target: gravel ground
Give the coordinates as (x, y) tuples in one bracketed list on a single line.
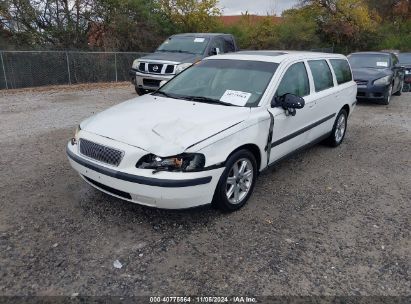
[(326, 222)]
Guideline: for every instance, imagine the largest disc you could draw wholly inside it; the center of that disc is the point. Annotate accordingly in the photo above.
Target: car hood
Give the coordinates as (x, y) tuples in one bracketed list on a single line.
[(164, 126), (172, 56), (370, 73)]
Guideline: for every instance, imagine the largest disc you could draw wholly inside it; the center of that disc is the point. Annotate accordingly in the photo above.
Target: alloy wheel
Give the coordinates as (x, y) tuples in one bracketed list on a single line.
[(340, 128), (239, 181)]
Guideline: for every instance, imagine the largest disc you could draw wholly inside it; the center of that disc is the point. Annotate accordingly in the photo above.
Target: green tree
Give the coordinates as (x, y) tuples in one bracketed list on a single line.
[(191, 15)]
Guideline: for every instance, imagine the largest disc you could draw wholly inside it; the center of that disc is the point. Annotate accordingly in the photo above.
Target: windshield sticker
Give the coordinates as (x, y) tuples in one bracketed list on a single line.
[(199, 39), (382, 64), (237, 98)]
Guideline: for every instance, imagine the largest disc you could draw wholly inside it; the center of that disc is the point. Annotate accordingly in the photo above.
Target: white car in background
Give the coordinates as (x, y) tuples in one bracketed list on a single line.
[(205, 135)]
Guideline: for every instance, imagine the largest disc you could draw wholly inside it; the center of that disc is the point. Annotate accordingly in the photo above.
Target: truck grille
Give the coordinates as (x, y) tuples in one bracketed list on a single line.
[(151, 82), (101, 153), (156, 68)]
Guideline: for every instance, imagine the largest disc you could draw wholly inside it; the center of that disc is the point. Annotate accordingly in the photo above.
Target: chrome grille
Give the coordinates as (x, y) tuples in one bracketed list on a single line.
[(101, 153), (156, 68)]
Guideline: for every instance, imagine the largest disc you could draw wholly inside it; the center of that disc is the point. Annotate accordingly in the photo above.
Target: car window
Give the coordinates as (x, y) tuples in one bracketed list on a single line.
[(366, 60), (394, 60), (218, 43), (295, 81), (323, 78), (239, 82), (342, 70), (180, 44), (228, 44)]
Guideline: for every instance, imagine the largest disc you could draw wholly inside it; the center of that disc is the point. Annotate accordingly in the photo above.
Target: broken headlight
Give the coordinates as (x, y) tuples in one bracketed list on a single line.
[(187, 162)]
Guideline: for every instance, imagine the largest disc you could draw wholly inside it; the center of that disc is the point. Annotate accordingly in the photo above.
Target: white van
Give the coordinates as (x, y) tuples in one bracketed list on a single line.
[(205, 135)]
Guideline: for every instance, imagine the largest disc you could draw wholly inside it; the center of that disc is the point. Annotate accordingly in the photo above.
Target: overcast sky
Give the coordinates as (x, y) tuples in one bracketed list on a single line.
[(259, 7)]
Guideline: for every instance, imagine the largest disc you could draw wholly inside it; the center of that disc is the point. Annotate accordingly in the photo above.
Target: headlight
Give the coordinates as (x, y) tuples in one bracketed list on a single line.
[(189, 162), (383, 81), (182, 67), (135, 65), (75, 139), (407, 72)]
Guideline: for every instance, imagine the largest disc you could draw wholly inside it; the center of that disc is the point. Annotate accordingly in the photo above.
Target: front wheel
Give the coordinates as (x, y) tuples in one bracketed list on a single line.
[(338, 132), (398, 93), (140, 91), (237, 181), (388, 94)]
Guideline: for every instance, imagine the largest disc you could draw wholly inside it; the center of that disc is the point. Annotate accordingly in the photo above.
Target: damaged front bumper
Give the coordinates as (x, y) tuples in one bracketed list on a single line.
[(166, 190)]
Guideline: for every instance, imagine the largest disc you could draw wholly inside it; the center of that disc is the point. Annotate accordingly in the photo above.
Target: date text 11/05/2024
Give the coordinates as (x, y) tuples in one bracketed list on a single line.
[(238, 299)]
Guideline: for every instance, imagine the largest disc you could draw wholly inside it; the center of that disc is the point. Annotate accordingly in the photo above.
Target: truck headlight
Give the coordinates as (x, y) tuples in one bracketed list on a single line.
[(186, 162), (136, 64), (383, 81), (182, 67)]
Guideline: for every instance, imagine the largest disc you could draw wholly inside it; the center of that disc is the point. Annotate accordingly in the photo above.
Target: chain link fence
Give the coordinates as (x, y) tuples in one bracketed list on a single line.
[(21, 69)]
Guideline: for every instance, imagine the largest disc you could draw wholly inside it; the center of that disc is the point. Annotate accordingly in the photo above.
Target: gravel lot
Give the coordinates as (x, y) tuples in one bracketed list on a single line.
[(326, 222)]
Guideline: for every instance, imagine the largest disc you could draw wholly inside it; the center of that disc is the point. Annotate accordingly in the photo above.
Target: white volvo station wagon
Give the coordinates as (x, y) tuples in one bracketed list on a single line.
[(204, 136)]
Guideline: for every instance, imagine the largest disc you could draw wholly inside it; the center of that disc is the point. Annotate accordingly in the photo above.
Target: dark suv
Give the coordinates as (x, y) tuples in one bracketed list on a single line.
[(378, 75), (176, 54), (405, 60)]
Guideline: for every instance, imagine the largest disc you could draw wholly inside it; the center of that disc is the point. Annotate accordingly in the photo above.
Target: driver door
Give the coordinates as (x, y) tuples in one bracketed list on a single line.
[(289, 131)]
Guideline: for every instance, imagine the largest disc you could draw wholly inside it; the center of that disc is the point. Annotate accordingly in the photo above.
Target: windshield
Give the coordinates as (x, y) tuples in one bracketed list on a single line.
[(221, 81), (190, 45), (376, 61), (405, 58)]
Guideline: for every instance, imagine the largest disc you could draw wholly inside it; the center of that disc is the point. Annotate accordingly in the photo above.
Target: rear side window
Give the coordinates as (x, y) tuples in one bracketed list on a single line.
[(323, 78), (228, 44), (295, 81), (342, 70)]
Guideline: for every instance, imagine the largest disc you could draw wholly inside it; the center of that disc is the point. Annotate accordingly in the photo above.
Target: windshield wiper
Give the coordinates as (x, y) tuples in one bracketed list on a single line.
[(163, 93), (209, 100), (176, 51)]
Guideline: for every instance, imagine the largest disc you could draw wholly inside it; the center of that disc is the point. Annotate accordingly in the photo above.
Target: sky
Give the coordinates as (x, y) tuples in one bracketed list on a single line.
[(258, 7)]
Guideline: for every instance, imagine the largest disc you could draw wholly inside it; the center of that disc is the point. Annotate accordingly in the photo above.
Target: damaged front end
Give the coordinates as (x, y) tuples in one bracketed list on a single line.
[(186, 162)]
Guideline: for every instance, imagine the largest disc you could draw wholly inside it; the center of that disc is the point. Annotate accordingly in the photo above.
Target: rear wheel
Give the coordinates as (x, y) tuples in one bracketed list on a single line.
[(237, 181), (388, 94), (338, 132)]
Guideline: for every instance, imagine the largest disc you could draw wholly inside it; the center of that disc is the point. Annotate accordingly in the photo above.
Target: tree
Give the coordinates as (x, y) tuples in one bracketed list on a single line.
[(344, 22), (191, 15), (60, 23)]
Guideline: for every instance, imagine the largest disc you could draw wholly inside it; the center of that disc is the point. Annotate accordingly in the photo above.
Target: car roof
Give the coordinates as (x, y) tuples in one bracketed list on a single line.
[(276, 56), (200, 35), (371, 53)]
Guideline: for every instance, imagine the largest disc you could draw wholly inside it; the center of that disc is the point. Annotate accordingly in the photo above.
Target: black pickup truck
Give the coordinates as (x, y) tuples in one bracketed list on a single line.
[(176, 54)]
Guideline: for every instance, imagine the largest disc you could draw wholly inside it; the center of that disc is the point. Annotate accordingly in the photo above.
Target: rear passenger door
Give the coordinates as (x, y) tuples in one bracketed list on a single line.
[(325, 96)]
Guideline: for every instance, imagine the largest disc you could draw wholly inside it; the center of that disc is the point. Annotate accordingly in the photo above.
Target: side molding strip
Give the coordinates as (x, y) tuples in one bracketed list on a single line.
[(301, 131)]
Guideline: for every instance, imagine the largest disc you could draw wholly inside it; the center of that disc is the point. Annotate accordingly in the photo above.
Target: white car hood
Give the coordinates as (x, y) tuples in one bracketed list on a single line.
[(163, 126)]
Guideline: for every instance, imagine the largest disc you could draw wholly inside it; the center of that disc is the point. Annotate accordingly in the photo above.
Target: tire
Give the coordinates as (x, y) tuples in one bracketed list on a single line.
[(388, 94), (229, 183), (140, 91), (339, 129), (400, 90)]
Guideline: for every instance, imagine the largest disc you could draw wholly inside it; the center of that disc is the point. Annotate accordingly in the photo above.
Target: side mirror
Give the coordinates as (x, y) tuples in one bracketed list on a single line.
[(288, 102), (215, 51)]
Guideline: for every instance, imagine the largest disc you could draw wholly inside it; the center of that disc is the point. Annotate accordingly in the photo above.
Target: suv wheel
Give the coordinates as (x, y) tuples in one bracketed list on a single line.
[(237, 181), (140, 91), (388, 94), (338, 132)]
